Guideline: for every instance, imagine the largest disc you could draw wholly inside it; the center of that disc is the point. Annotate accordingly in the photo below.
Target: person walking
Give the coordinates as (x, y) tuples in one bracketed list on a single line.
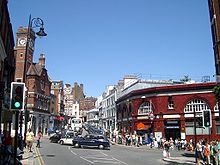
[(29, 139), (207, 153), (39, 137), (166, 147), (199, 152)]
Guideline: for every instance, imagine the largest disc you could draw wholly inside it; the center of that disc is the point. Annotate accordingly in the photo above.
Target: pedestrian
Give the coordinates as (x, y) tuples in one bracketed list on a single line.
[(199, 153), (29, 139), (39, 136), (167, 148), (207, 153)]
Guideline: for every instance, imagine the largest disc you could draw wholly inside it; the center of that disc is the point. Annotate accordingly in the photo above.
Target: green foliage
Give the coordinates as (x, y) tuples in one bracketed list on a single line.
[(216, 90)]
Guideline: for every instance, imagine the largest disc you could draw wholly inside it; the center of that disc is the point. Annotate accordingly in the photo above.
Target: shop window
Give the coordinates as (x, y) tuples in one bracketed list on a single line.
[(189, 125), (170, 102)]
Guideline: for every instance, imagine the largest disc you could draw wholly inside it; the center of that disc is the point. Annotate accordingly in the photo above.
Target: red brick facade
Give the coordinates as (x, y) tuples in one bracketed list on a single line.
[(170, 122)]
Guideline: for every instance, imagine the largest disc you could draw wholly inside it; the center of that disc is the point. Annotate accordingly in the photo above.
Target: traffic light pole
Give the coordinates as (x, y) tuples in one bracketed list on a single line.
[(16, 136)]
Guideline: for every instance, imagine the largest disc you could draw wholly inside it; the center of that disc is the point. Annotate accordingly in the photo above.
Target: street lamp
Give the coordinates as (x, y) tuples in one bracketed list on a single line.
[(33, 23)]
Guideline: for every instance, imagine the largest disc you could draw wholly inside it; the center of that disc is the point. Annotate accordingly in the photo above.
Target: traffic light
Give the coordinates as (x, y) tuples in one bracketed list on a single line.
[(207, 118), (17, 96), (200, 121)]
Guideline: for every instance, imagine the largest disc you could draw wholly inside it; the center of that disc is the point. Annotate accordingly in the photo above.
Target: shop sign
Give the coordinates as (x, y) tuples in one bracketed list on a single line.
[(140, 126), (172, 127)]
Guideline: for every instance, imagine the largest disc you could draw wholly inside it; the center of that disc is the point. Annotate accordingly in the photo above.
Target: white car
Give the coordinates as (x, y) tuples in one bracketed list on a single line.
[(67, 138)]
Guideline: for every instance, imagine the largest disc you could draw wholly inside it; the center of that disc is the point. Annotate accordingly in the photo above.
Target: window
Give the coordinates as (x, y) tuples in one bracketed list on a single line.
[(189, 125), (21, 55), (196, 105), (170, 102), (145, 108)]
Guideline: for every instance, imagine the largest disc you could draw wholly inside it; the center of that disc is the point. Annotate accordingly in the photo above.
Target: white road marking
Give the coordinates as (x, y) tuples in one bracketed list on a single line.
[(103, 153), (97, 161), (73, 153), (119, 160), (97, 158), (86, 160)]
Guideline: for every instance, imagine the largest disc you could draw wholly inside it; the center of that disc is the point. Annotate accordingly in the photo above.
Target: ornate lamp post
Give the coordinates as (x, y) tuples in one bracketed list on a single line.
[(33, 23)]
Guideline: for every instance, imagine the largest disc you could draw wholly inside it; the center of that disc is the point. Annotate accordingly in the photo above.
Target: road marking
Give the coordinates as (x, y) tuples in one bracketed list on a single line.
[(73, 152), (86, 160), (103, 153), (40, 160), (98, 161), (119, 160), (97, 158)]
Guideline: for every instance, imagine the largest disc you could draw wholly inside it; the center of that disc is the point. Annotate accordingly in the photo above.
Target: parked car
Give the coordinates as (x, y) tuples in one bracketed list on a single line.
[(67, 138), (91, 140), (54, 138)]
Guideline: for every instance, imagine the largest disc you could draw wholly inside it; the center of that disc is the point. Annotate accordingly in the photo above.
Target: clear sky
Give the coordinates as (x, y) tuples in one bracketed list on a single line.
[(97, 42)]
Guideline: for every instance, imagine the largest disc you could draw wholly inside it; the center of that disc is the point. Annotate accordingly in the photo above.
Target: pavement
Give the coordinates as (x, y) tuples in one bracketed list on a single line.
[(32, 158)]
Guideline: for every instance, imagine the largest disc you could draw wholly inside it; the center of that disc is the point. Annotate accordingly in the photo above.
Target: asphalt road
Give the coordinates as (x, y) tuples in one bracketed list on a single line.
[(56, 154)]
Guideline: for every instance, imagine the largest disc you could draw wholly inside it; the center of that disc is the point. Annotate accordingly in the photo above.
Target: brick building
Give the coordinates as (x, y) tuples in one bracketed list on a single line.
[(57, 89), (169, 111), (214, 12), (36, 79), (7, 65)]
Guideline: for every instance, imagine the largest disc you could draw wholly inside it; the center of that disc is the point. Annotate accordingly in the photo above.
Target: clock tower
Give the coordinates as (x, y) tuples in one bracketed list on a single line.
[(20, 52)]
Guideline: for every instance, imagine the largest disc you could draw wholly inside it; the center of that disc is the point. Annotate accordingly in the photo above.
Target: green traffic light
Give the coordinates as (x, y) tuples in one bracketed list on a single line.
[(17, 104)]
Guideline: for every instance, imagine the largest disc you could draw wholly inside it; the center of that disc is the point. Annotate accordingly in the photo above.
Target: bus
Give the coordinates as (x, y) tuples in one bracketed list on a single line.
[(76, 124)]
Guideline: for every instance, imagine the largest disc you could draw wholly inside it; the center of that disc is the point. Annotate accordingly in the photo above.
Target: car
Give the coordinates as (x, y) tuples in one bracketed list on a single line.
[(67, 138), (91, 141), (54, 138)]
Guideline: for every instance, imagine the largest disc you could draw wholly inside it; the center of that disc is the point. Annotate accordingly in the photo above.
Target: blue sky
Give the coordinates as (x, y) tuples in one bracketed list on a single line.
[(97, 42)]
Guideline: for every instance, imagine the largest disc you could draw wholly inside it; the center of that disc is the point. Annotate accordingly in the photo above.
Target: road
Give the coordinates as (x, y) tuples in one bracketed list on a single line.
[(56, 154)]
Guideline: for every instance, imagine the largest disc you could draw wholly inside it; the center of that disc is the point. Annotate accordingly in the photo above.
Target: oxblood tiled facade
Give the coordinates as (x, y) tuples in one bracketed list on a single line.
[(167, 121)]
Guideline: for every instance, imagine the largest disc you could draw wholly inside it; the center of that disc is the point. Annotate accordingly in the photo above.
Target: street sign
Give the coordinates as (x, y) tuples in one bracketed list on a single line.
[(151, 116)]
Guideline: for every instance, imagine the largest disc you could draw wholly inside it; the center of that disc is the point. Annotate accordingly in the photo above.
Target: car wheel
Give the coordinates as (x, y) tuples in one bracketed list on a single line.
[(101, 147), (76, 145), (61, 142)]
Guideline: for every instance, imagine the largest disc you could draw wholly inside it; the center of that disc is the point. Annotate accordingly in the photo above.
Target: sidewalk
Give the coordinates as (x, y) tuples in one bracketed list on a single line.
[(29, 157)]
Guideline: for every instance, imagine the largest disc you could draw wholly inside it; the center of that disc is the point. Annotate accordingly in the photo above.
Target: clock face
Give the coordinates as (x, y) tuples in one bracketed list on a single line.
[(22, 41)]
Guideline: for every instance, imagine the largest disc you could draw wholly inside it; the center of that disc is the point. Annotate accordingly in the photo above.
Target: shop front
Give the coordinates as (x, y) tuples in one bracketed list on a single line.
[(144, 130), (172, 129)]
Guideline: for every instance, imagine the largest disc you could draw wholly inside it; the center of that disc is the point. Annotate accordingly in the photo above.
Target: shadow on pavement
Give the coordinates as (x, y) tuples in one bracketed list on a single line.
[(188, 154)]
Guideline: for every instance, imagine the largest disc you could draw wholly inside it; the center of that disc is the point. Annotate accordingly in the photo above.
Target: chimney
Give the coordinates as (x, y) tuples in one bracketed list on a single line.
[(42, 60)]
